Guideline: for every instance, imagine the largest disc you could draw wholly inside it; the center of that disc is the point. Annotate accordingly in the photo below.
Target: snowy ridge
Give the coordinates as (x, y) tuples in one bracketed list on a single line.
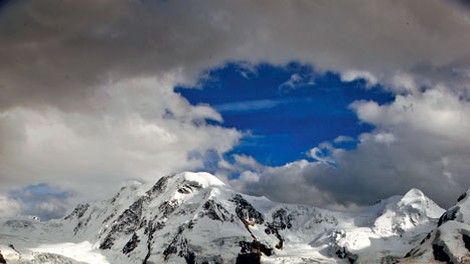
[(449, 241), (195, 218)]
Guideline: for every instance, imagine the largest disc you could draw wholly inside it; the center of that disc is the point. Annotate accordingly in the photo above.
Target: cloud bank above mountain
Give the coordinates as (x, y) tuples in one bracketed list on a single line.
[(87, 99)]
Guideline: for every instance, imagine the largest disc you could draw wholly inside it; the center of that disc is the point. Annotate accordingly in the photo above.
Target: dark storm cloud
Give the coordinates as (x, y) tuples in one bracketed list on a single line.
[(59, 51)]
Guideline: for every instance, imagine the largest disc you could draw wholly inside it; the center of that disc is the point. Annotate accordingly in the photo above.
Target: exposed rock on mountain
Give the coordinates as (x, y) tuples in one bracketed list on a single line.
[(449, 241), (195, 218)]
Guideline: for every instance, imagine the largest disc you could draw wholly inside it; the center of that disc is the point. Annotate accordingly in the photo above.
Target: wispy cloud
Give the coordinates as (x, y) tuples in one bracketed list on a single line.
[(297, 80), (251, 106)]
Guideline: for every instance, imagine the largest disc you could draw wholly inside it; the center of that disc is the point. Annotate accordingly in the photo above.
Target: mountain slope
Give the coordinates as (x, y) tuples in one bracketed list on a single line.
[(195, 218), (449, 241)]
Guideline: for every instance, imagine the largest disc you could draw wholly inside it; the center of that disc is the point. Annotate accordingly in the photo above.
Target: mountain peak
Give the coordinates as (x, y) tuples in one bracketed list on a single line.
[(414, 193), (204, 179), (449, 241), (195, 218)]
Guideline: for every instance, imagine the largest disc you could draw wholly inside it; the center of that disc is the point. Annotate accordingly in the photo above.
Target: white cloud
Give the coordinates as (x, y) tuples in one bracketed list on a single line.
[(427, 148), (250, 106), (384, 138), (352, 75), (323, 153), (90, 102), (342, 139), (142, 131), (9, 207), (437, 111), (297, 80)]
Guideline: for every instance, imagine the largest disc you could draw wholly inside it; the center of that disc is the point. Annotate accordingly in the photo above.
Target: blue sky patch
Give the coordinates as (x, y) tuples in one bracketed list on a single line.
[(284, 110), (42, 200)]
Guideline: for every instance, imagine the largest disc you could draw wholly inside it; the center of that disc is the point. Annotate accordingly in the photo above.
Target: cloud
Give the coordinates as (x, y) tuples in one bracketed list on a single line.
[(87, 100), (141, 130), (41, 200), (250, 106), (297, 80), (323, 153), (289, 183), (61, 57), (342, 139), (351, 75), (9, 207), (427, 148)]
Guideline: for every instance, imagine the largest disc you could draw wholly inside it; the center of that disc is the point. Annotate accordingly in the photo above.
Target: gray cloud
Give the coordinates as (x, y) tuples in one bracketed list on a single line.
[(86, 87), (59, 51), (424, 147)]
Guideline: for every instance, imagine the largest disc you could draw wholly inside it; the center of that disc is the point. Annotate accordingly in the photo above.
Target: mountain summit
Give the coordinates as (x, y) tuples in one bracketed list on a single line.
[(196, 218)]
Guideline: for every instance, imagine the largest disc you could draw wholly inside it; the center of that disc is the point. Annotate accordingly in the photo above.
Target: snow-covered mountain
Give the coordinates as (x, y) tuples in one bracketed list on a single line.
[(195, 218), (449, 241)]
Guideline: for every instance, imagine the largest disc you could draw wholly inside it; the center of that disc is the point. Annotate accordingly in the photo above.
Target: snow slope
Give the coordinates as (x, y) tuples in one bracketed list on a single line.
[(195, 218), (449, 241)]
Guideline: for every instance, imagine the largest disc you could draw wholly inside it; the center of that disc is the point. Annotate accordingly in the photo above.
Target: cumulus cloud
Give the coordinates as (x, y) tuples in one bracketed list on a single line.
[(59, 52), (130, 136), (9, 207), (342, 139), (427, 148), (42, 201), (86, 87)]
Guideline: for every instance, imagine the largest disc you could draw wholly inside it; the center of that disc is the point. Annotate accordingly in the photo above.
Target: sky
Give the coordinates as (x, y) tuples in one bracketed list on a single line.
[(330, 103), (285, 110)]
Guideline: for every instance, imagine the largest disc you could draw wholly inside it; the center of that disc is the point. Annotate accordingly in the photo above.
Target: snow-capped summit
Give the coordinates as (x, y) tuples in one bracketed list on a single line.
[(449, 241), (196, 218), (401, 214)]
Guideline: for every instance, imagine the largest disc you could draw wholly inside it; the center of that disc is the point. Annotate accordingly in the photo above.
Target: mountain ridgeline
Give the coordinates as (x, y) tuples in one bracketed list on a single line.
[(195, 218)]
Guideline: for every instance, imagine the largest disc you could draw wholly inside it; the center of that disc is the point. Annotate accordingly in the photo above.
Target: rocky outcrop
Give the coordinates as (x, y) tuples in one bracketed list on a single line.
[(195, 218), (126, 224), (2, 259), (449, 242)]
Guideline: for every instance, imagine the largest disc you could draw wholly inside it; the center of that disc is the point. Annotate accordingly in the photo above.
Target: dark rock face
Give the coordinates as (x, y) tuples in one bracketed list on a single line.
[(159, 187), (450, 215), (2, 259), (344, 253), (440, 254), (81, 223), (414, 250), (466, 241), (131, 244), (79, 211), (188, 187), (249, 258), (281, 220), (168, 207), (462, 196), (250, 252), (179, 245), (255, 247), (126, 224), (149, 232), (216, 211), (245, 211)]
